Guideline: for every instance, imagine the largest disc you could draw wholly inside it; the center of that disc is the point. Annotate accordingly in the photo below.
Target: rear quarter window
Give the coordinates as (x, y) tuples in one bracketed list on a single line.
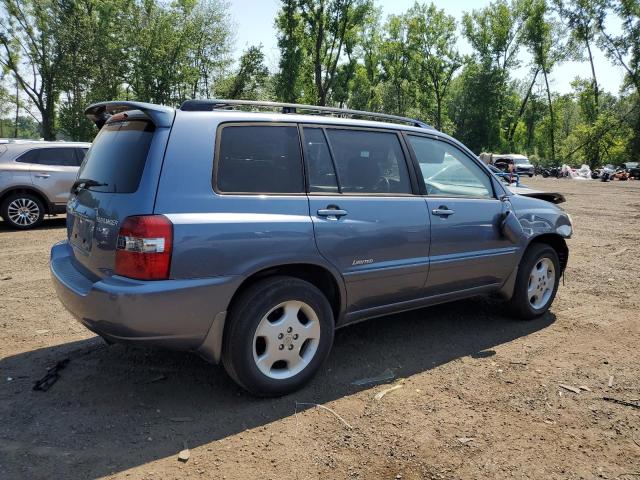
[(258, 159), (118, 155)]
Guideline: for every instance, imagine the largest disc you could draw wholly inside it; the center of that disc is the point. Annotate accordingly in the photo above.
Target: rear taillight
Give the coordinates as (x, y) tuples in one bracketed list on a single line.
[(144, 247)]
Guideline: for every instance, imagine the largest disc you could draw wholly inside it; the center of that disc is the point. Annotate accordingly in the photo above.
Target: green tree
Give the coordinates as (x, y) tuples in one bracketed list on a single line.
[(395, 58), (292, 52), (330, 28), (31, 51), (251, 80), (542, 37), (434, 56), (623, 50)]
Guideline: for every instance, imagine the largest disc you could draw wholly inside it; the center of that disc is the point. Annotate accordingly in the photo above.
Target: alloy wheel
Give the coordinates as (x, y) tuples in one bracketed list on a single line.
[(286, 340), (23, 212), (541, 283)]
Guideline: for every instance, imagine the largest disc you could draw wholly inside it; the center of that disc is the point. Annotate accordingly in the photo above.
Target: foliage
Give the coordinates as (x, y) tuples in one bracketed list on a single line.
[(66, 54)]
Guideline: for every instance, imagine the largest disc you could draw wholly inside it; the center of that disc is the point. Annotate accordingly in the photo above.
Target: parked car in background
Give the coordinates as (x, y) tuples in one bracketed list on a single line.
[(36, 178), (633, 168), (249, 237), (520, 163)]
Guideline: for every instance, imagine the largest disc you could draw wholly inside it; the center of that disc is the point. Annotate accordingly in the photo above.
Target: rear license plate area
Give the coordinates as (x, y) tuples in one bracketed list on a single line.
[(82, 233)]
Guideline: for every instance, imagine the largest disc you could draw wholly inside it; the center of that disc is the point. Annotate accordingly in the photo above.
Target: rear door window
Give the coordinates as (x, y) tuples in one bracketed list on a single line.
[(369, 162), (64, 157), (80, 154), (118, 155), (322, 175), (259, 159)]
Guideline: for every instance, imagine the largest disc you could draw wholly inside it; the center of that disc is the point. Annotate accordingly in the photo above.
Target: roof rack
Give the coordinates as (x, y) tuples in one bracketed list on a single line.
[(216, 104)]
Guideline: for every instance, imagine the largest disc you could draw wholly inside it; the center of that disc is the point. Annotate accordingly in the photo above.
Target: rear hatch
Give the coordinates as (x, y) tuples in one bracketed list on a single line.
[(118, 178)]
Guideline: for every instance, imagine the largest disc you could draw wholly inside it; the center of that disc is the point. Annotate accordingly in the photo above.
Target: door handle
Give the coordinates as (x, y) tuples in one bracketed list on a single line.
[(442, 211), (42, 175), (331, 213)]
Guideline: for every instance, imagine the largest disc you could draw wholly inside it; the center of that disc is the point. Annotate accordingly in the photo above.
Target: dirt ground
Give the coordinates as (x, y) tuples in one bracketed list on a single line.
[(480, 393)]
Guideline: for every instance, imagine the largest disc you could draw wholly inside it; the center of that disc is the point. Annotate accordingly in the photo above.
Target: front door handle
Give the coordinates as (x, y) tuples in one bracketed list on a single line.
[(42, 175), (331, 213), (442, 211)]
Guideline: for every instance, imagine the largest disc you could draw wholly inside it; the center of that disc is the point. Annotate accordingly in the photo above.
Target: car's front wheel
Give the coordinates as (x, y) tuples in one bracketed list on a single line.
[(536, 283), (22, 211), (278, 334)]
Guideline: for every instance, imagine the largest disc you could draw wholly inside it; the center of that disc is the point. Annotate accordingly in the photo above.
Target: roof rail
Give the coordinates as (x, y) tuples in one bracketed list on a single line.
[(216, 104), (160, 115)]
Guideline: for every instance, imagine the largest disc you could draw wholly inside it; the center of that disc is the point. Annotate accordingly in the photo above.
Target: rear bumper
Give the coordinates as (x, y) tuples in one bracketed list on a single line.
[(176, 314)]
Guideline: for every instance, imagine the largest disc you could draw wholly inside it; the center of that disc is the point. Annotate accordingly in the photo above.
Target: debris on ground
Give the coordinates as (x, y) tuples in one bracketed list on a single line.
[(383, 377), (610, 384), (381, 394), (51, 376), (570, 388), (465, 440), (621, 402), (157, 378), (483, 354), (327, 409), (184, 455)]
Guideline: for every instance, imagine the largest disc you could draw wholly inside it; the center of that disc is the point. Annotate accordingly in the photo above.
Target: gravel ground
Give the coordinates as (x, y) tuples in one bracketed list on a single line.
[(479, 395)]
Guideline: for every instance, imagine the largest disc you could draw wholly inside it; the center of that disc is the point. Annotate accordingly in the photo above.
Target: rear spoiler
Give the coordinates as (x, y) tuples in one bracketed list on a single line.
[(160, 115)]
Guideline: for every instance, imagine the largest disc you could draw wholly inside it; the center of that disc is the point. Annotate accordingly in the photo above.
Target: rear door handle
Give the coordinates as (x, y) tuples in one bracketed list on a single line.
[(442, 211), (42, 175), (331, 213)]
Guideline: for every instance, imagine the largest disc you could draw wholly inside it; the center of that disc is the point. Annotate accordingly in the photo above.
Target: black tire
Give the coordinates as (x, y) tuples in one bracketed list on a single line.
[(26, 199), (545, 174), (245, 315), (520, 305), (531, 175)]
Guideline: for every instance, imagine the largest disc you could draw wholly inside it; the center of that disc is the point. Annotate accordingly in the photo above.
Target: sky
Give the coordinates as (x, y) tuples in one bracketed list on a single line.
[(254, 22)]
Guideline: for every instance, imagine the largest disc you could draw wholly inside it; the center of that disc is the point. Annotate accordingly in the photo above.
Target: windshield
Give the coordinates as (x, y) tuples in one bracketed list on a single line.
[(118, 155), (521, 161)]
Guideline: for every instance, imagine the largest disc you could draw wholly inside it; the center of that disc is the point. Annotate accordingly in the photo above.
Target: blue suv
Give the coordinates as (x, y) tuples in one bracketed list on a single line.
[(248, 237)]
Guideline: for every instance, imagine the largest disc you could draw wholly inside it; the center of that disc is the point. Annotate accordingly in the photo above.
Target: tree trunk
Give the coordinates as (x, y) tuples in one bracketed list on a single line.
[(551, 114), (596, 90), (15, 125), (523, 106), (438, 111), (48, 118)]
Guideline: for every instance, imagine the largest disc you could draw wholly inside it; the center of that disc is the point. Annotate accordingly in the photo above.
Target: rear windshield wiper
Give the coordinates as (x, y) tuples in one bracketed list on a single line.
[(86, 183)]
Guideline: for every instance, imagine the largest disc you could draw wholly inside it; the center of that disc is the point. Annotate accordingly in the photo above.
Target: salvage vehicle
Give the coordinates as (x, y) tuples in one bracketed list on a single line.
[(513, 162), (633, 169), (35, 179), (248, 237)]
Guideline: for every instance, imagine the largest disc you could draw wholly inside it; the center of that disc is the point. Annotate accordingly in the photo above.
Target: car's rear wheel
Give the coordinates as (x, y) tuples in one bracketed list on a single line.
[(279, 332), (22, 211), (536, 283)]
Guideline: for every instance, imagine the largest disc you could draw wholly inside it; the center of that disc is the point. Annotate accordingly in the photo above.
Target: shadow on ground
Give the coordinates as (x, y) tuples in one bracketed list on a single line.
[(98, 418)]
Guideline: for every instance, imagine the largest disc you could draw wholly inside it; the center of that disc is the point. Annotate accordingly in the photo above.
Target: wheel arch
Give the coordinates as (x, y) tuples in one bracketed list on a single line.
[(318, 275), (324, 278), (27, 189), (555, 241), (558, 243)]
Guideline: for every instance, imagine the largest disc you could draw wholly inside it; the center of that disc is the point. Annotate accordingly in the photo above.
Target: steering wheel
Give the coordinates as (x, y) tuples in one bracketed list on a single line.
[(382, 185)]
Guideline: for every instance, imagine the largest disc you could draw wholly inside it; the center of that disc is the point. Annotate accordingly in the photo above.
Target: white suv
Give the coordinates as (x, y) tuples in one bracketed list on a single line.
[(36, 178)]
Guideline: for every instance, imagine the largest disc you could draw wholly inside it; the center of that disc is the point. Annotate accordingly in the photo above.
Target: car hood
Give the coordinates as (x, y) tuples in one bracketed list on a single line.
[(553, 197)]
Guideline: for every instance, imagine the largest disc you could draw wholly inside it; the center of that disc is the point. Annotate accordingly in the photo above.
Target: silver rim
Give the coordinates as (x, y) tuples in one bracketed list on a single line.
[(541, 283), (23, 212), (286, 340)]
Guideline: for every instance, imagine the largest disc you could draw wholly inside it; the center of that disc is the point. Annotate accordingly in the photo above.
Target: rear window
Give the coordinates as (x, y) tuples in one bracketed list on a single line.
[(118, 155), (259, 159), (64, 157)]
